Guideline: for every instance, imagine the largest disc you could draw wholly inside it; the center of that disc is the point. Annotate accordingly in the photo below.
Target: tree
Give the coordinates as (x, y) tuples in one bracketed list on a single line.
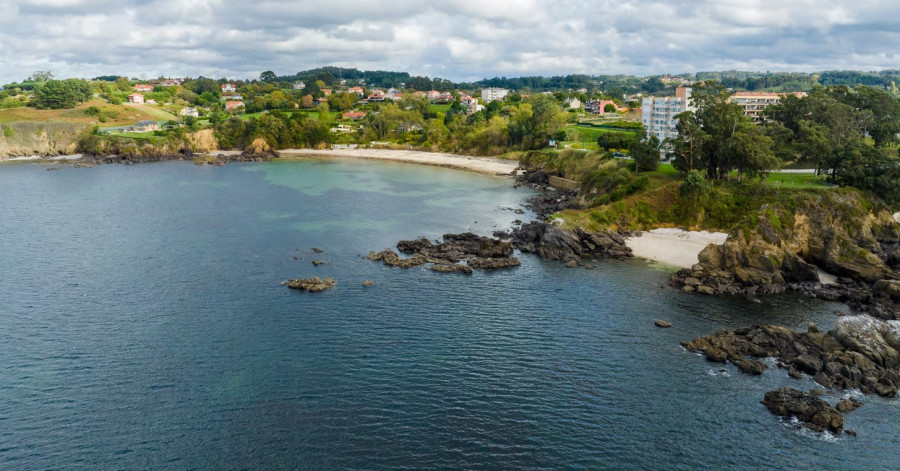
[(268, 77), (687, 148), (885, 114), (718, 119), (645, 152), (57, 94), (750, 150), (609, 108), (40, 76)]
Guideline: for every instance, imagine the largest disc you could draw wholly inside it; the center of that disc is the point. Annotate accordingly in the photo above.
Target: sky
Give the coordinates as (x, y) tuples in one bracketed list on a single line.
[(460, 40)]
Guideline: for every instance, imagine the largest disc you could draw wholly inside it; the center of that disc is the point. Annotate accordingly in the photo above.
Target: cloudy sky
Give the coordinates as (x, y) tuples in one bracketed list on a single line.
[(455, 39)]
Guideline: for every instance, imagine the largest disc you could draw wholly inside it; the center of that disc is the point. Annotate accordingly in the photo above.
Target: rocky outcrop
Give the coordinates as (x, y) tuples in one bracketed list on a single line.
[(859, 352), (783, 247), (260, 150), (312, 285), (815, 413), (554, 242), (483, 253)]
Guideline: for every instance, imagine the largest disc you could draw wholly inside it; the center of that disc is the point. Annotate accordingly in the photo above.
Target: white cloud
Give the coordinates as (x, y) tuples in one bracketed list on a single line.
[(456, 39)]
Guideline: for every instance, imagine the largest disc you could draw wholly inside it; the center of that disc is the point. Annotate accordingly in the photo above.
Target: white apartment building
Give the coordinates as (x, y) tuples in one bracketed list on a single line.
[(658, 113), (490, 94), (755, 102)]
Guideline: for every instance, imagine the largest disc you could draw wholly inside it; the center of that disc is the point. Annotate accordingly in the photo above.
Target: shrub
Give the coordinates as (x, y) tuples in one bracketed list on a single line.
[(694, 185)]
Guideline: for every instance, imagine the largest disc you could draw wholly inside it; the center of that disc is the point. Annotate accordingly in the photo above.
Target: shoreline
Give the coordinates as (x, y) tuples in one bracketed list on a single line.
[(483, 165), (674, 247)]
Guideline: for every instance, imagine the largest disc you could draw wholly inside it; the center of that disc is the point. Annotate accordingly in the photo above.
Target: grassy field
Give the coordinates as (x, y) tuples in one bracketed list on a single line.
[(588, 133), (433, 108), (117, 115), (147, 136), (797, 180), (309, 114)]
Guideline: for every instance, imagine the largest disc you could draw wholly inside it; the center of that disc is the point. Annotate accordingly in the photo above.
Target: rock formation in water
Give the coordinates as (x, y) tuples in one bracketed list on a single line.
[(483, 253), (859, 352), (312, 285)]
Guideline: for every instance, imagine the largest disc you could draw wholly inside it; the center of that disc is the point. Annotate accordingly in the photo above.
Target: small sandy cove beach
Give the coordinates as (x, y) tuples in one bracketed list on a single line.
[(476, 164), (674, 247)]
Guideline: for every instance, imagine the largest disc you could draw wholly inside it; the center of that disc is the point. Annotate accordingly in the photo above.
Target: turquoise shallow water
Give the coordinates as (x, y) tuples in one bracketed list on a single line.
[(143, 327)]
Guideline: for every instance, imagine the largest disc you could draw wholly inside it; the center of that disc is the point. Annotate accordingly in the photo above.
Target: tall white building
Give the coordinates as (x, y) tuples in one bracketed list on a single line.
[(658, 113), (490, 94)]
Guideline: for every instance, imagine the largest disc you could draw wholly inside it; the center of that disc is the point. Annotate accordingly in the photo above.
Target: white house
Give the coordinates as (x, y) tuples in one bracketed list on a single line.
[(299, 85), (189, 111), (572, 103), (228, 87), (490, 94)]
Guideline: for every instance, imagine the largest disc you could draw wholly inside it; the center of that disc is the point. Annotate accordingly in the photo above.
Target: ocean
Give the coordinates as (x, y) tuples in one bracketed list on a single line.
[(143, 325)]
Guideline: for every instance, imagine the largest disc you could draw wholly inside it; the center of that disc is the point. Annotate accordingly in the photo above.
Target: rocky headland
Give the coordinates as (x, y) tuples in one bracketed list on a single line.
[(787, 246)]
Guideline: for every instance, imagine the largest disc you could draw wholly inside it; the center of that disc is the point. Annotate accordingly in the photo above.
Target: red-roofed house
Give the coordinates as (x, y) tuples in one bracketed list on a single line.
[(143, 87), (357, 90), (228, 87), (377, 95), (234, 105), (354, 115), (135, 98), (326, 91)]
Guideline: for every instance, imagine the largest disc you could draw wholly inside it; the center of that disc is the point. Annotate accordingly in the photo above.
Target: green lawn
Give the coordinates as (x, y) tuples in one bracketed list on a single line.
[(438, 108), (666, 170), (149, 136), (797, 180), (589, 133), (309, 114)]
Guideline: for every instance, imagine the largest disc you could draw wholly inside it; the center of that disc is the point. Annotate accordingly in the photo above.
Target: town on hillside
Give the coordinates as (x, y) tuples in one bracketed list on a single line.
[(721, 123)]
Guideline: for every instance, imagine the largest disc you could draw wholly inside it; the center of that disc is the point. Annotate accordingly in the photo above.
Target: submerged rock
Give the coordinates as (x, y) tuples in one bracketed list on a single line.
[(494, 263), (312, 285), (452, 268)]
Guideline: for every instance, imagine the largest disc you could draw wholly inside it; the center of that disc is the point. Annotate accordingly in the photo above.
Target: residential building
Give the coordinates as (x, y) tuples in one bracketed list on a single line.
[(299, 85), (490, 94), (143, 87), (599, 106), (377, 95), (754, 103), (354, 115), (572, 103), (234, 105), (145, 126), (189, 111), (394, 94), (135, 98), (170, 83), (658, 113), (445, 96), (233, 97), (228, 87), (357, 90), (326, 91), (433, 95)]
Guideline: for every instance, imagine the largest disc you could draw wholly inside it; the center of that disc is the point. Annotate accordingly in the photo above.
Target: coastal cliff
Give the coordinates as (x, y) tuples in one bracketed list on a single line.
[(51, 138)]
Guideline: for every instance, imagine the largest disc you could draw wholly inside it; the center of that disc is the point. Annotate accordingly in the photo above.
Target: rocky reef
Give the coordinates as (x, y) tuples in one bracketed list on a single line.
[(859, 352), (312, 285), (483, 253)]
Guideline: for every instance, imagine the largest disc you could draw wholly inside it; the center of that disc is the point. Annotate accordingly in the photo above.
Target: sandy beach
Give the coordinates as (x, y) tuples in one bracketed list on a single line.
[(674, 247), (484, 165)]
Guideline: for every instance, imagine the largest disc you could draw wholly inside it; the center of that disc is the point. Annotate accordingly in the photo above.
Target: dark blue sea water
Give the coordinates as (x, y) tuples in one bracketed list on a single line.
[(143, 326)]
